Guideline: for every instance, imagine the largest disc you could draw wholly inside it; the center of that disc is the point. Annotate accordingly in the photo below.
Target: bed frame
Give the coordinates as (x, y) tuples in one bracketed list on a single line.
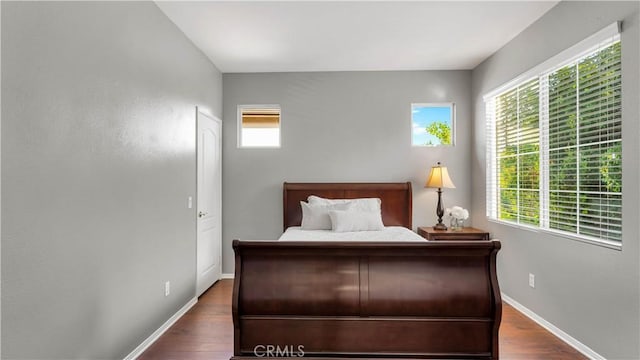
[(437, 299)]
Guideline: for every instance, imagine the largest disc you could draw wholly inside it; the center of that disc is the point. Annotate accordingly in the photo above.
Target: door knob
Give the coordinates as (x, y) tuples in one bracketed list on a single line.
[(202, 214)]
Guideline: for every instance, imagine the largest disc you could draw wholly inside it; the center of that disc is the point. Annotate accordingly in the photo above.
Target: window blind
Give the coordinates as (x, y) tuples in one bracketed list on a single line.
[(518, 151), (585, 145), (554, 147)]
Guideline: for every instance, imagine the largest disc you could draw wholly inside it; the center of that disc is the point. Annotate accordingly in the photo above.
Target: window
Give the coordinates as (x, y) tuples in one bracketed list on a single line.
[(259, 126), (554, 151), (518, 150), (432, 124)]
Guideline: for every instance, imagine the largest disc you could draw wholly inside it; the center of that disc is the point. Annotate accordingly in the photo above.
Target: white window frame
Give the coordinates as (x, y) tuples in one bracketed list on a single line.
[(451, 106), (600, 39), (239, 125)]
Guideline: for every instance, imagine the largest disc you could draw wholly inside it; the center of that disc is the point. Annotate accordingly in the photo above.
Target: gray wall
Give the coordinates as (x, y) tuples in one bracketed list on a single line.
[(98, 158), (337, 127), (588, 291), (0, 188)]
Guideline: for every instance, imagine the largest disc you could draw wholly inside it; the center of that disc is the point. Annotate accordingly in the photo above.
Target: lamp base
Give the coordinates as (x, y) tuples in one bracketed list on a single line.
[(439, 226)]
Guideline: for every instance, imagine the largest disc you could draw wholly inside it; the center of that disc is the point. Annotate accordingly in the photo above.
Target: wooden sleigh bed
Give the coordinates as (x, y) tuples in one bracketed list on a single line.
[(431, 299)]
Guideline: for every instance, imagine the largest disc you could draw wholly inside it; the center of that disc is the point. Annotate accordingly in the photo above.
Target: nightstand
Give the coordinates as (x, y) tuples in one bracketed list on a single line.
[(467, 233)]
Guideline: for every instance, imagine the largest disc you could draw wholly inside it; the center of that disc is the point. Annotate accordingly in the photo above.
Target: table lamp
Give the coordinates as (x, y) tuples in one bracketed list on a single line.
[(439, 178)]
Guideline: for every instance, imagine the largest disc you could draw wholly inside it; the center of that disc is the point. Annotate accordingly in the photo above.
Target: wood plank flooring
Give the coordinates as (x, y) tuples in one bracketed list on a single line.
[(206, 332)]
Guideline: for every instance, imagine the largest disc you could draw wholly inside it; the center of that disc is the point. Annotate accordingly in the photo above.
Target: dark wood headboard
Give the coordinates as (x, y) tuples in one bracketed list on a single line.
[(396, 199)]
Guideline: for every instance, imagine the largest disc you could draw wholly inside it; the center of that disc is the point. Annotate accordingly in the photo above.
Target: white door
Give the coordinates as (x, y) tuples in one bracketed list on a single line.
[(209, 200)]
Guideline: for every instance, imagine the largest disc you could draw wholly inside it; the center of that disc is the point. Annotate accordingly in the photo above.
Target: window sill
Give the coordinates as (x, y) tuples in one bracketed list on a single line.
[(259, 147), (601, 243)]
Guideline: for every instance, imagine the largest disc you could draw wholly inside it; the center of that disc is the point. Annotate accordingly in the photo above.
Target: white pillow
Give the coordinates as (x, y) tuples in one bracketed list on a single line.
[(316, 217), (362, 204), (354, 220), (317, 200)]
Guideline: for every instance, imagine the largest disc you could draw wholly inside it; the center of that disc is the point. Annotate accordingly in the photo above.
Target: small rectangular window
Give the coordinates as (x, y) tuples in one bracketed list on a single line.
[(432, 124), (259, 126)]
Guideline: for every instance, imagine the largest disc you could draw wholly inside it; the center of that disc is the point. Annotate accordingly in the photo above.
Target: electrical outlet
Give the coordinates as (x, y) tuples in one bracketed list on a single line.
[(167, 288), (532, 280)]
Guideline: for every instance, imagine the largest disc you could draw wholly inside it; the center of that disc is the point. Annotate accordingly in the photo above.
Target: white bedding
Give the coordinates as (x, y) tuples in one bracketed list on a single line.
[(390, 233)]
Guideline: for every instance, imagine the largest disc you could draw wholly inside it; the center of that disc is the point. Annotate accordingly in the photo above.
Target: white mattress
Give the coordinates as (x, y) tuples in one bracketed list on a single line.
[(390, 233)]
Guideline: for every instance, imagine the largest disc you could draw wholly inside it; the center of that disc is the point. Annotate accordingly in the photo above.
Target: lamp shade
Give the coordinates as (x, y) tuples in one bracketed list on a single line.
[(439, 178)]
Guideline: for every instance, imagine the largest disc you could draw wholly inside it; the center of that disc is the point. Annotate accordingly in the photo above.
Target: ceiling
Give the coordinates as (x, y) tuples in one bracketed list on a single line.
[(259, 36)]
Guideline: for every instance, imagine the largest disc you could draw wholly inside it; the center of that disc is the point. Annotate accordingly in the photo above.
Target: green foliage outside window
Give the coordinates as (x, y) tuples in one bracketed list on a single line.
[(440, 130)]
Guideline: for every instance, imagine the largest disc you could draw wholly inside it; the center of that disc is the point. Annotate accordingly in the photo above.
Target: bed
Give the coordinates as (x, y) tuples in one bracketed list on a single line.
[(361, 298), (389, 233)]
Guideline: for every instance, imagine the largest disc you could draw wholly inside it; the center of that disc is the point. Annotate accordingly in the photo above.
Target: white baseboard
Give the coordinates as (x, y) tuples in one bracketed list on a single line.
[(156, 334), (227, 276), (571, 341)]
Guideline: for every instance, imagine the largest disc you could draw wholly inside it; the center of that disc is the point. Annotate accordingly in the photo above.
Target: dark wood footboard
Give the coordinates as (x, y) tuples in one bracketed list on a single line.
[(366, 299)]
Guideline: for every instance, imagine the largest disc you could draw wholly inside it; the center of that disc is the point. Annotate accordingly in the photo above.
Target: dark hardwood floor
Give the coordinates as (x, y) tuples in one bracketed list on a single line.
[(206, 332)]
